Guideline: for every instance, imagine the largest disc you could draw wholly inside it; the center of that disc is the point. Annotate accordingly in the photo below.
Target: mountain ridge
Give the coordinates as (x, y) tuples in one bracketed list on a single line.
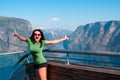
[(23, 27), (7, 26), (98, 36)]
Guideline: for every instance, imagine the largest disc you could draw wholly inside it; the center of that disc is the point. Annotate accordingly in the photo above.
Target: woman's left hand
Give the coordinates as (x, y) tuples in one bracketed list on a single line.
[(66, 38)]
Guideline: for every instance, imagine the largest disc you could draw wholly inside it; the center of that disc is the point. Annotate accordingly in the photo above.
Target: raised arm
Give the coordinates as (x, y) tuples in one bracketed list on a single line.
[(57, 40), (19, 36)]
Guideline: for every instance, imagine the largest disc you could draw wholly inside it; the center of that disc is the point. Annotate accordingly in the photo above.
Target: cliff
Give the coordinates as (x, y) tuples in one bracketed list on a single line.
[(7, 26), (98, 36)]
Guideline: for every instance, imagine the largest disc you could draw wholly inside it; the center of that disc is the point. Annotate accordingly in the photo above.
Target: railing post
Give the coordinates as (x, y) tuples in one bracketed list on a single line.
[(28, 60), (67, 59)]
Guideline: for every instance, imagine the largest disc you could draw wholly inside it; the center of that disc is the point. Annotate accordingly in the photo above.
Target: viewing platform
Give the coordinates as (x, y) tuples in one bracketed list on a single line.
[(67, 68)]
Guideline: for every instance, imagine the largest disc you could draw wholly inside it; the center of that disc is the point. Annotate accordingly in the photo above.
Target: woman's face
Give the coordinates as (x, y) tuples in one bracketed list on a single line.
[(37, 36)]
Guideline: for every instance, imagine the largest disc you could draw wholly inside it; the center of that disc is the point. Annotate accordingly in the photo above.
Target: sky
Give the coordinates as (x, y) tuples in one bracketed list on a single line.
[(64, 14)]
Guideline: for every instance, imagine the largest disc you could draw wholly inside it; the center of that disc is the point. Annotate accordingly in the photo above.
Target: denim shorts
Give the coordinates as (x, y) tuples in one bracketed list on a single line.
[(36, 66)]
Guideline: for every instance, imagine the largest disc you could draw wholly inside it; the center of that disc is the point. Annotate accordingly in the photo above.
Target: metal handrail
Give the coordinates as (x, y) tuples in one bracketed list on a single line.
[(11, 53), (97, 53), (101, 53)]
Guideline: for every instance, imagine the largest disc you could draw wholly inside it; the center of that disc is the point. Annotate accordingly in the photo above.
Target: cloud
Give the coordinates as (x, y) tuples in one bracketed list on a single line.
[(55, 19)]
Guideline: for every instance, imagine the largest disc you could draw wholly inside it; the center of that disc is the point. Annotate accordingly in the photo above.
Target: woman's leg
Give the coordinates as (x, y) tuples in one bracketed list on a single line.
[(42, 72)]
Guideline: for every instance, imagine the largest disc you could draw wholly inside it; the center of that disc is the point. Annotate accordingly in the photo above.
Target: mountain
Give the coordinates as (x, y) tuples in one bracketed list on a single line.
[(51, 34), (98, 36), (7, 26), (23, 27)]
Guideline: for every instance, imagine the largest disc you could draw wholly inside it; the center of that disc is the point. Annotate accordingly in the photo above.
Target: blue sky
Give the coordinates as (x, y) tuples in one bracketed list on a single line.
[(65, 14)]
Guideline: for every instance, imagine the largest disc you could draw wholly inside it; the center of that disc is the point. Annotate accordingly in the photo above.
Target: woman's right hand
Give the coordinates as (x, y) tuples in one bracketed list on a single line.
[(15, 33), (19, 36)]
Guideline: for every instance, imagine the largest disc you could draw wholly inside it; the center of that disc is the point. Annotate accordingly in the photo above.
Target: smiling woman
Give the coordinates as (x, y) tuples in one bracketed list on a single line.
[(37, 36), (36, 43)]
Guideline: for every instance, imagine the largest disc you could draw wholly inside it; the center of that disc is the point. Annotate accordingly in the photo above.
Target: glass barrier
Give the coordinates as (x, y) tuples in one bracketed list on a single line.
[(12, 63)]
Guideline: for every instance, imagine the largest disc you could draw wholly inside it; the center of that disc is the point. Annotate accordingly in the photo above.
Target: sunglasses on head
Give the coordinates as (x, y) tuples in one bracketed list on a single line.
[(37, 34)]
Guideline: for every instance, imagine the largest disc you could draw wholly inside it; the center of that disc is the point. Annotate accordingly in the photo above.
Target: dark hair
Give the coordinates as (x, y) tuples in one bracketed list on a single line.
[(42, 36)]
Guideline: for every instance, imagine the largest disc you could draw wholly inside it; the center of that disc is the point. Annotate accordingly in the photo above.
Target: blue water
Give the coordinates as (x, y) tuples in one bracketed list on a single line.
[(7, 62), (103, 61), (5, 72)]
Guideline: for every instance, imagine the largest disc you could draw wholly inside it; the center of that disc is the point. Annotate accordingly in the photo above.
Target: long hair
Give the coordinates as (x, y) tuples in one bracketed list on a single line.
[(42, 36)]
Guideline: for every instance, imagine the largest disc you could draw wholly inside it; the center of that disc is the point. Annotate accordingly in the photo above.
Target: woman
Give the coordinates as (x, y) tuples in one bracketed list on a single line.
[(36, 43)]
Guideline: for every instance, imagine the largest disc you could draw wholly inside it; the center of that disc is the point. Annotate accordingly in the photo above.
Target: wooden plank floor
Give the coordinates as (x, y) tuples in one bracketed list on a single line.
[(60, 71)]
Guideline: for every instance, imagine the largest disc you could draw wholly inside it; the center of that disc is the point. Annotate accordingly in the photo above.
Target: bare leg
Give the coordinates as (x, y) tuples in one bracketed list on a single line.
[(42, 72)]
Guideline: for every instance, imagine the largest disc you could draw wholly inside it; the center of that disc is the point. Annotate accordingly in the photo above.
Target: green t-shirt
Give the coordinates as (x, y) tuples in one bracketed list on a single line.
[(36, 51)]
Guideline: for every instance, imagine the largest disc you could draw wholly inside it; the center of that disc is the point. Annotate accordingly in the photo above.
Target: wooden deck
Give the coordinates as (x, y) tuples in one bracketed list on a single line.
[(59, 71)]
